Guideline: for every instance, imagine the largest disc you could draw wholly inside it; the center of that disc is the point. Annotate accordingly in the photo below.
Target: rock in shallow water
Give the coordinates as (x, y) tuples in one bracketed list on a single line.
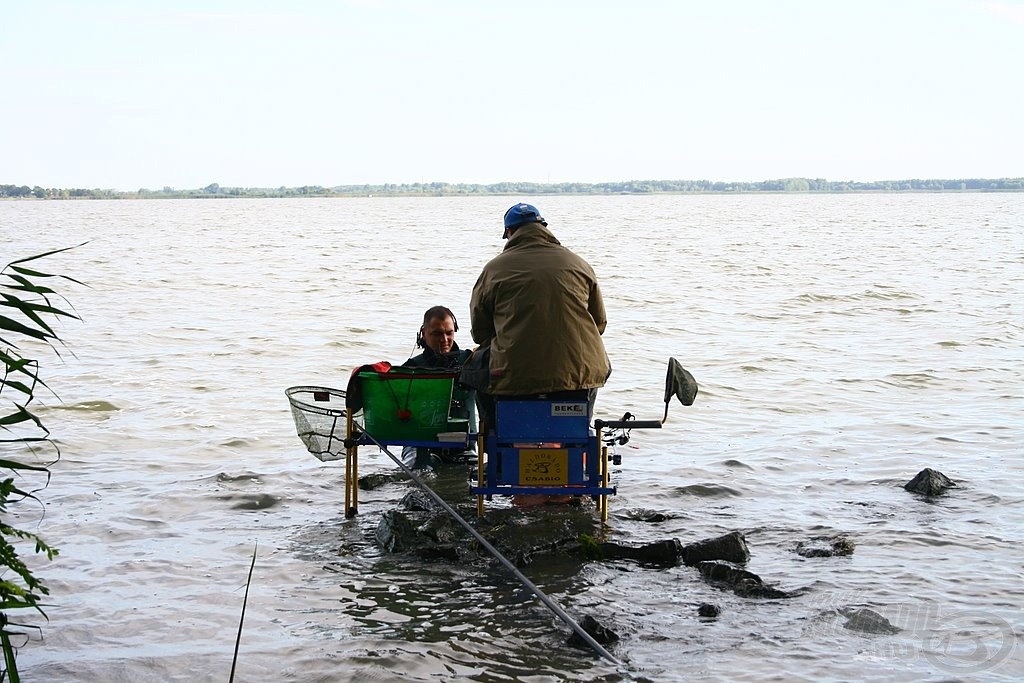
[(421, 528), (743, 583), (929, 482), (660, 553), (867, 621), (600, 633), (825, 546), (397, 532), (731, 547), (376, 480), (708, 611)]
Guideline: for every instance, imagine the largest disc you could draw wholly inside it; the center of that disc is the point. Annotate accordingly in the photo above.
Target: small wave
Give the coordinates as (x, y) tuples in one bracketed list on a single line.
[(708, 491), (992, 341), (237, 442), (347, 344), (878, 293), (913, 380), (816, 298), (804, 409), (903, 310), (89, 406), (737, 464)]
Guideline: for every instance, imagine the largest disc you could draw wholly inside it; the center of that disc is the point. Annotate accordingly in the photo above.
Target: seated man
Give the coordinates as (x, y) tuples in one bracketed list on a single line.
[(537, 309), (436, 337)]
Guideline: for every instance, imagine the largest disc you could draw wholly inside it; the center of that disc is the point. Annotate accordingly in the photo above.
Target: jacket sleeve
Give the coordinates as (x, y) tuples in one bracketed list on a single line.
[(596, 307), (481, 312)]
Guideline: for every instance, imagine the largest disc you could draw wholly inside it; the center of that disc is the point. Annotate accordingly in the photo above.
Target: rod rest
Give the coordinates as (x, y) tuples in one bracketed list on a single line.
[(627, 424)]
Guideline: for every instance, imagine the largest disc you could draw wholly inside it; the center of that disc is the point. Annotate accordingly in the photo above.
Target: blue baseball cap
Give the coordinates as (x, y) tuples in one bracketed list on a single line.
[(520, 214)]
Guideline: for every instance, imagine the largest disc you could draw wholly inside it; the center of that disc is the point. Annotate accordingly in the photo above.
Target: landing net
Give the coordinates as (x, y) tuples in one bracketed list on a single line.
[(319, 414)]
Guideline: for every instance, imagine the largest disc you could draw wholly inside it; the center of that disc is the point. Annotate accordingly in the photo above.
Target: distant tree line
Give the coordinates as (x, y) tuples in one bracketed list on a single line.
[(215, 190)]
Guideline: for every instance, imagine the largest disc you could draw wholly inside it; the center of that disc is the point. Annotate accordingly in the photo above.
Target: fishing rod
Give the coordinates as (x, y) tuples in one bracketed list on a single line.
[(548, 602)]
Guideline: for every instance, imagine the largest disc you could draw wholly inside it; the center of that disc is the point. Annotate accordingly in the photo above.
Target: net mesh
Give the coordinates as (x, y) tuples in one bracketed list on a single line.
[(319, 414)]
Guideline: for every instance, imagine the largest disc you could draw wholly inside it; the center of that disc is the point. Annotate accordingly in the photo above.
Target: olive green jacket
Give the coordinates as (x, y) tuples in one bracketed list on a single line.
[(539, 307)]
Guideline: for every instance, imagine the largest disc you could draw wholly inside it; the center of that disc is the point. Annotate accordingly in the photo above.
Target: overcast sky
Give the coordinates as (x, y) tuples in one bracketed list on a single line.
[(147, 94)]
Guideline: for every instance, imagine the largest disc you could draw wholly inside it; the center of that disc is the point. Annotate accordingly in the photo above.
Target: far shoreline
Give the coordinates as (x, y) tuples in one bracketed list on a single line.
[(439, 189)]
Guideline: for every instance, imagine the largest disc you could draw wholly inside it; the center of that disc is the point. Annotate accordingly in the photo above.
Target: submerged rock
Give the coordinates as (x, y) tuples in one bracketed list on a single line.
[(375, 480), (929, 482), (600, 633), (420, 526), (649, 516), (708, 611), (867, 621), (418, 501), (743, 583), (825, 546)]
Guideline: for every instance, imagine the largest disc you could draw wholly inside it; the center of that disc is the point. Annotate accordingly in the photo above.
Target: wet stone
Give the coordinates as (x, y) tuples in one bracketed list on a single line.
[(731, 547), (744, 583), (929, 482), (418, 501), (708, 611), (376, 480), (660, 553), (420, 527), (825, 546), (600, 633), (648, 516), (867, 621), (398, 532)]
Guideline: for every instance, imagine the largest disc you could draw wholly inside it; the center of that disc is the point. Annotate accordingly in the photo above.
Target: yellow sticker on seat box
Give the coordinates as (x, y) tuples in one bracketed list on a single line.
[(543, 467)]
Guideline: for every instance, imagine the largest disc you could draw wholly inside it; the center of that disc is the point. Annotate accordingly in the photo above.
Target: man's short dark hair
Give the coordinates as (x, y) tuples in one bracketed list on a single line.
[(441, 312)]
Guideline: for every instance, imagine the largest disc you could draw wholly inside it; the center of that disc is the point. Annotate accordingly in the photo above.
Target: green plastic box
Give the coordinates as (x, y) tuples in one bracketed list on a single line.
[(405, 405)]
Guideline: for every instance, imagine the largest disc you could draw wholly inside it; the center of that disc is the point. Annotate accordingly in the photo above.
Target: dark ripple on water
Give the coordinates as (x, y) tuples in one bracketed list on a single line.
[(706, 491)]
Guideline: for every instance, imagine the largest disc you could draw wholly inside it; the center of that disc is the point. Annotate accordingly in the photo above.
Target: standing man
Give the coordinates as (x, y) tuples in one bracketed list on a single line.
[(538, 308)]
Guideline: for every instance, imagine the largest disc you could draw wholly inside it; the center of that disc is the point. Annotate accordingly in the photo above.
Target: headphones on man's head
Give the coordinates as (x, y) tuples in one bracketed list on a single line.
[(431, 313)]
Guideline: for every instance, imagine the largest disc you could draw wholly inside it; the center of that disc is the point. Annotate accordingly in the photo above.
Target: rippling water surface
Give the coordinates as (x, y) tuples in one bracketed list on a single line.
[(842, 344)]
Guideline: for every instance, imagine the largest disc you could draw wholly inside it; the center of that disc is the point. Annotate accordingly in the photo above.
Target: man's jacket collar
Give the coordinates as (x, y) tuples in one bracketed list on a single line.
[(531, 233)]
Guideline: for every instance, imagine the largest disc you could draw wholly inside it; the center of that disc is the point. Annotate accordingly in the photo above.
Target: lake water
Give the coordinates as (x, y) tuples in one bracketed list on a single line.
[(842, 343)]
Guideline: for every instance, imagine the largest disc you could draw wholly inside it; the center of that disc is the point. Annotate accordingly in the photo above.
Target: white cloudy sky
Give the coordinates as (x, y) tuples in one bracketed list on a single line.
[(146, 93)]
